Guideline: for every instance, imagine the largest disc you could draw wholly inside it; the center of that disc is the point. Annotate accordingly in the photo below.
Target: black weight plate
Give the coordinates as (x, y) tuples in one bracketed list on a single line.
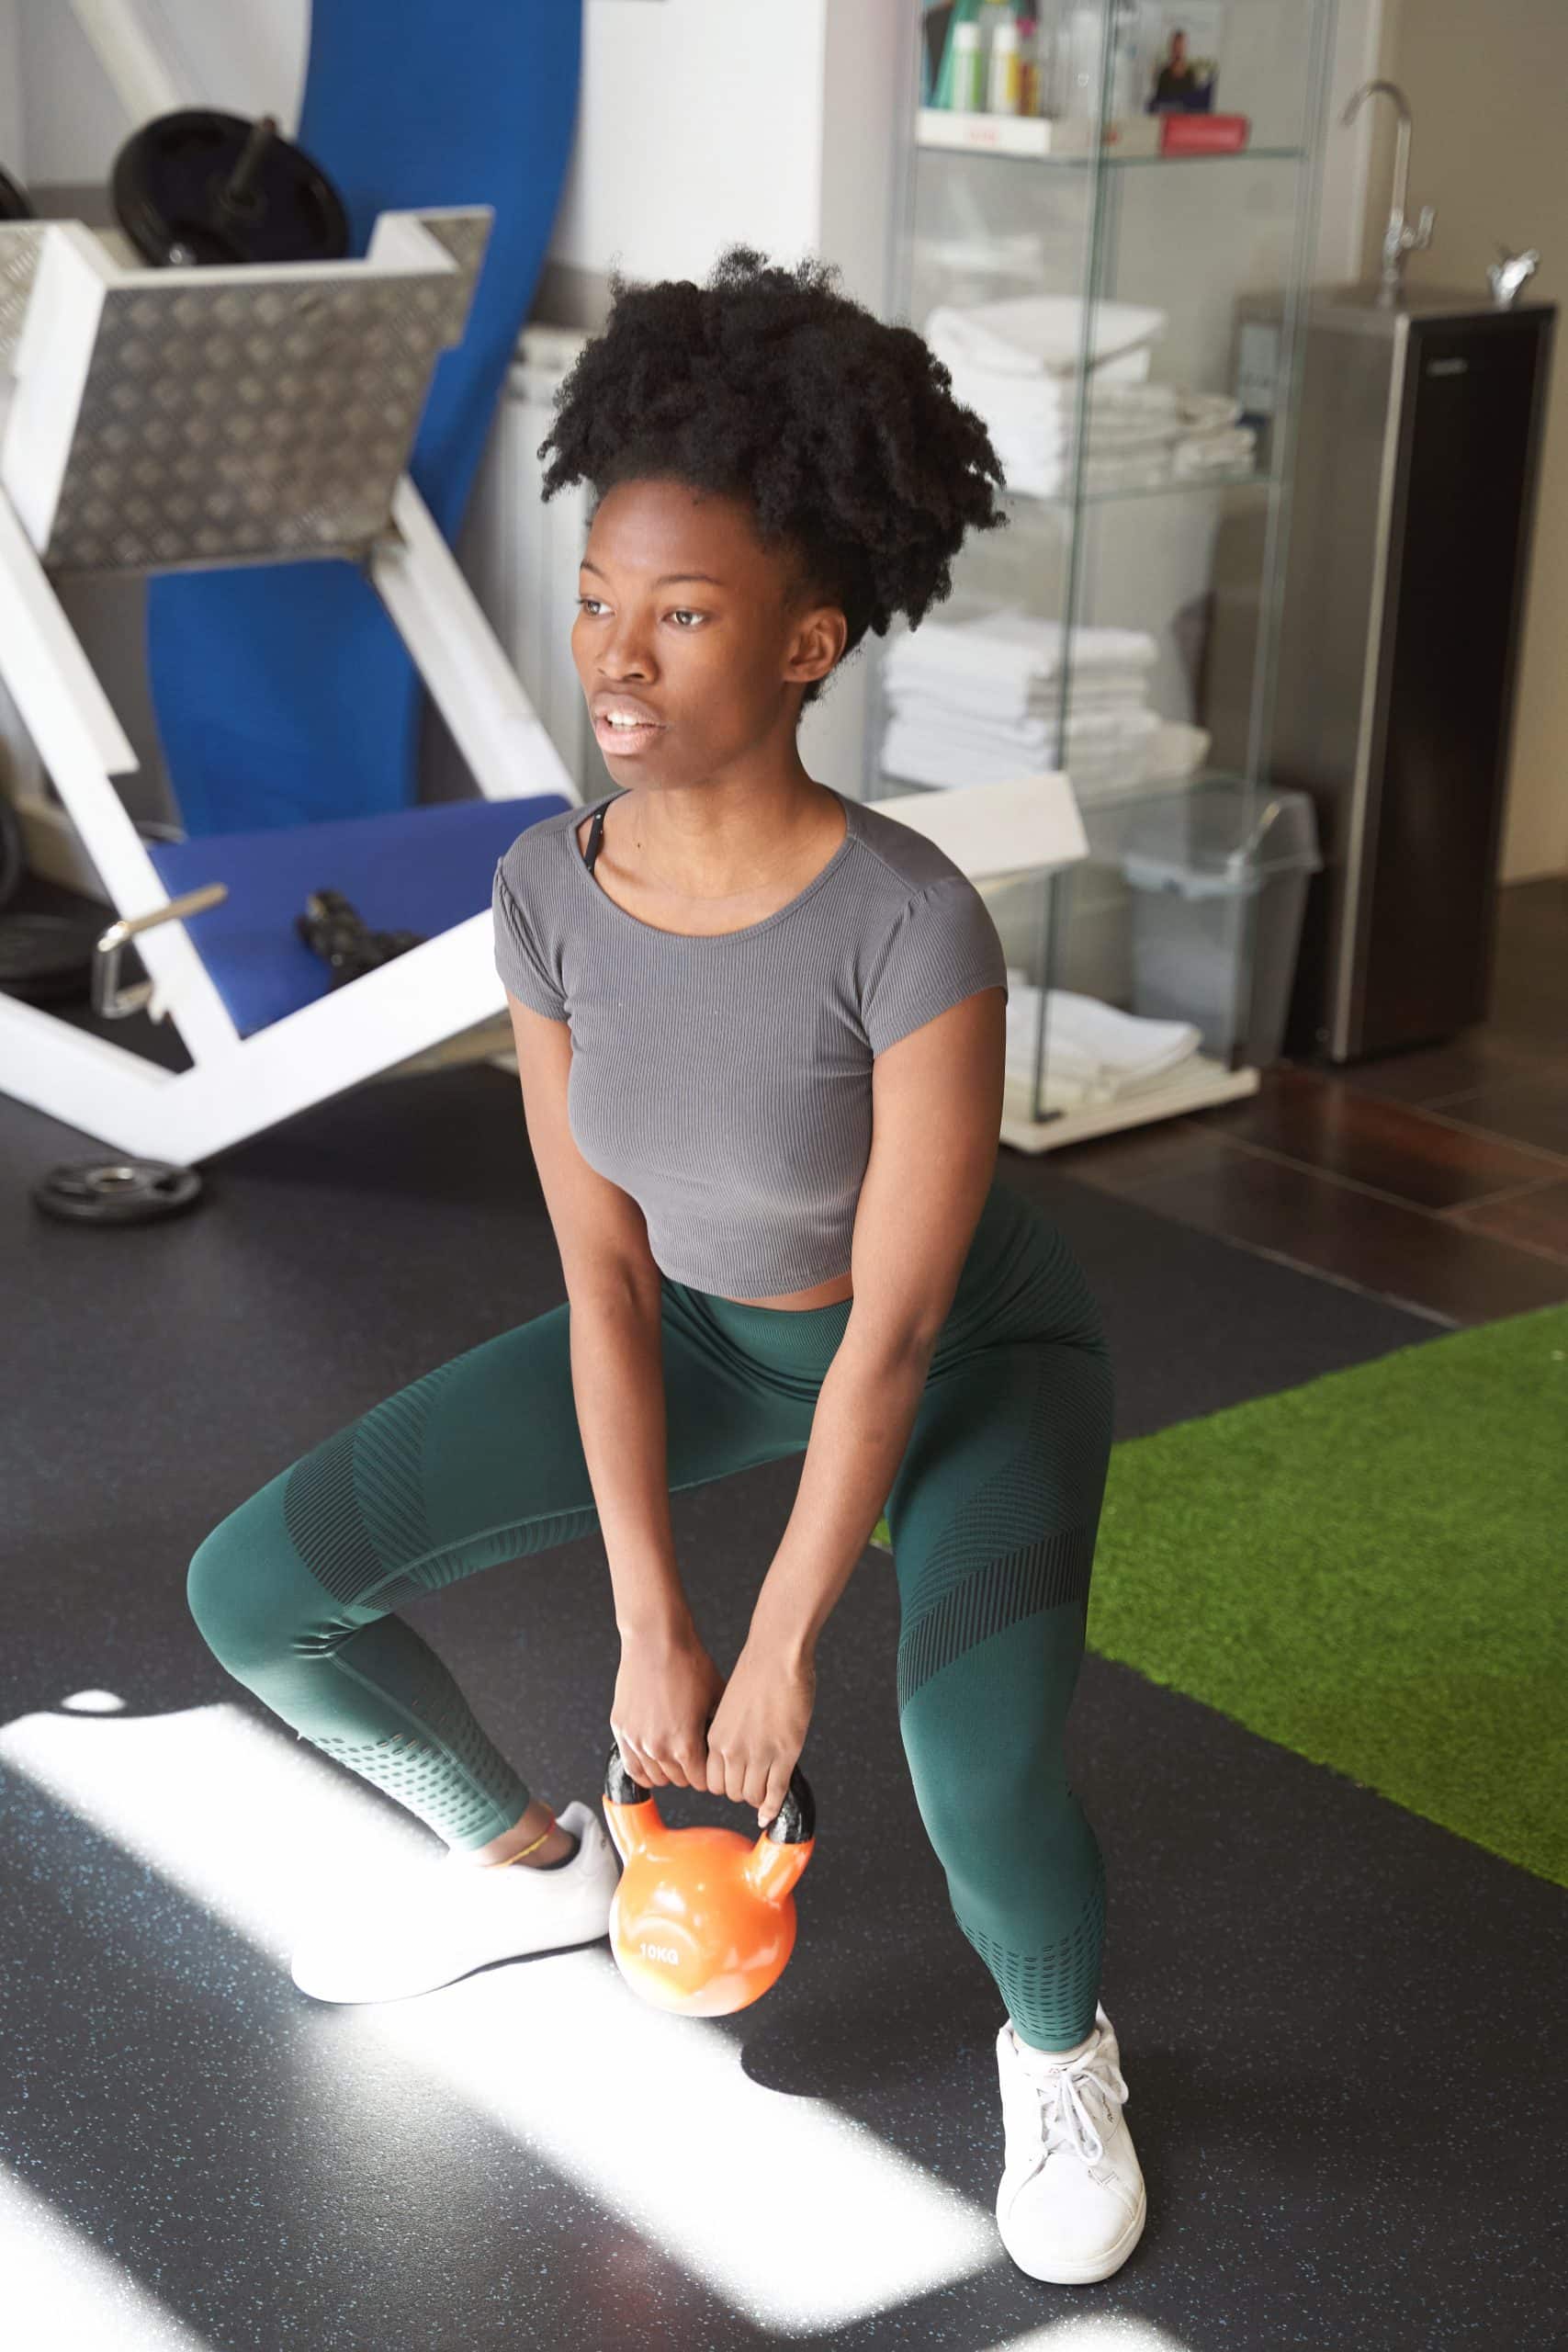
[(48, 960), (169, 185), (15, 202), (117, 1192)]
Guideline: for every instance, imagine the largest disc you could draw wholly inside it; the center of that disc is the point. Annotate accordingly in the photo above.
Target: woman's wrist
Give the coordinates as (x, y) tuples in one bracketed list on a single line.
[(780, 1631), (669, 1627)]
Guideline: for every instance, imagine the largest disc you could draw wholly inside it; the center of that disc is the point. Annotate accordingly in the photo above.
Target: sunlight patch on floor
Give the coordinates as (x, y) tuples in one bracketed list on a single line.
[(62, 2290), (649, 2114)]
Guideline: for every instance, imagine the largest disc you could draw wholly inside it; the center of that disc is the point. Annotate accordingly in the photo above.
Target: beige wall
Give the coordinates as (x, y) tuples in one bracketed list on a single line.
[(1488, 148)]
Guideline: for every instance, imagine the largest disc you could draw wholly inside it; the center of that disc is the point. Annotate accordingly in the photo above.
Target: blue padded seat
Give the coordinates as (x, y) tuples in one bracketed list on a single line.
[(424, 869)]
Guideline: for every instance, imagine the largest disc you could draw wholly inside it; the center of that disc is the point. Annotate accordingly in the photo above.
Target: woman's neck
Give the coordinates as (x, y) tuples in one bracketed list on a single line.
[(710, 843)]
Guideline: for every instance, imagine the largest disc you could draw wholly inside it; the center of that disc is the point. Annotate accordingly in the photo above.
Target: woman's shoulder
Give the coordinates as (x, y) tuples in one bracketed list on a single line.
[(908, 861), (536, 855)]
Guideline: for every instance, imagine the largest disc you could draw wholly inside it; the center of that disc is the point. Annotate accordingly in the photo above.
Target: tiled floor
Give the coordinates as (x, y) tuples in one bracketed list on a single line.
[(1438, 1178)]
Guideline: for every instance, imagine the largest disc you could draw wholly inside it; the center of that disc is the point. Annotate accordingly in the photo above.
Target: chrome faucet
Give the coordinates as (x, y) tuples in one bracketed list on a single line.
[(1397, 239), (1509, 272)]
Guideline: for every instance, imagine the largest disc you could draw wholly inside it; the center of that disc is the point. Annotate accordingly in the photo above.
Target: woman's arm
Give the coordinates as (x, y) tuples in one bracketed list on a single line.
[(865, 1411), (612, 1283), (936, 1111), (618, 1376)]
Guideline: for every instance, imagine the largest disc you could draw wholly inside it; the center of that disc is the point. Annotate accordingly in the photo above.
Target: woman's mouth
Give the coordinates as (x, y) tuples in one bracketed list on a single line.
[(618, 740)]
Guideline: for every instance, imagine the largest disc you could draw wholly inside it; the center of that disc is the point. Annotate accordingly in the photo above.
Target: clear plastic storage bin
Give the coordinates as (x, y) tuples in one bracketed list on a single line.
[(1219, 876)]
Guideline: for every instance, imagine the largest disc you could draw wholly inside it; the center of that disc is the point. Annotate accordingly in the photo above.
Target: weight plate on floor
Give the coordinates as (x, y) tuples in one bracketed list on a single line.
[(15, 202), (204, 187), (117, 1192), (48, 960)]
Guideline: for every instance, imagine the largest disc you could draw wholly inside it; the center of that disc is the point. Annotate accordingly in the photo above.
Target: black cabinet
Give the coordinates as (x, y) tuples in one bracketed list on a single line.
[(1418, 437)]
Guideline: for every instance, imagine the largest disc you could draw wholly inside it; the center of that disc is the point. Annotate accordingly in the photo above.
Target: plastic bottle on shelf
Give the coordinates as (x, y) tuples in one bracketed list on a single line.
[(1004, 77), (1126, 79), (1032, 76), (1079, 51), (968, 71)]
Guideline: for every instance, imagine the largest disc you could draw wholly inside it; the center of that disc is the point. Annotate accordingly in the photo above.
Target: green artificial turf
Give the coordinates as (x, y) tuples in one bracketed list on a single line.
[(1372, 1570)]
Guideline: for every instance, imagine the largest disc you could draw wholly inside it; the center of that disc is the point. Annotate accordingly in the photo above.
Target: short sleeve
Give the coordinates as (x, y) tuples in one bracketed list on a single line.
[(943, 947), (517, 957)]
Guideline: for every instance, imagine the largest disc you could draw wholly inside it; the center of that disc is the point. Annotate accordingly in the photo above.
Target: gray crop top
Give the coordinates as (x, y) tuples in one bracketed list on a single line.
[(725, 1083)]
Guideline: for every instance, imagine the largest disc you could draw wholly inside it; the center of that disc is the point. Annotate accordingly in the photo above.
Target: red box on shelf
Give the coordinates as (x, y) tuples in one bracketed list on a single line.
[(1204, 134)]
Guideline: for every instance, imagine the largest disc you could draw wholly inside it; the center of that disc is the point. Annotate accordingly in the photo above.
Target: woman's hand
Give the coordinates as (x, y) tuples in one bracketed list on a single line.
[(666, 1692), (754, 1741)]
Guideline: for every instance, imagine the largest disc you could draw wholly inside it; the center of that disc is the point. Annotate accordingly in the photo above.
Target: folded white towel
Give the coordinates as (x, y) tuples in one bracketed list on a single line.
[(1030, 476), (1230, 451), (1049, 404), (1036, 334), (966, 698), (923, 754), (958, 703), (1133, 429), (1011, 649), (1093, 1045)]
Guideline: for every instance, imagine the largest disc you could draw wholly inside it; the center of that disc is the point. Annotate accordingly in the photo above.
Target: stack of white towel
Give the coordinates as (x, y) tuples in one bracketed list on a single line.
[(975, 702), (1093, 1053), (1015, 363)]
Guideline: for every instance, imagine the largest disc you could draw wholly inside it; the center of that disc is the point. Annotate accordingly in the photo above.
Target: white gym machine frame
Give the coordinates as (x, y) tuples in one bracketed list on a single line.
[(236, 1086), (62, 277)]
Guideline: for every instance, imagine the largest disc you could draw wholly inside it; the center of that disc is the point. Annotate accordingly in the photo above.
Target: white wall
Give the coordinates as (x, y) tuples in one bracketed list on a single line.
[(700, 123), (250, 59), (1346, 154)]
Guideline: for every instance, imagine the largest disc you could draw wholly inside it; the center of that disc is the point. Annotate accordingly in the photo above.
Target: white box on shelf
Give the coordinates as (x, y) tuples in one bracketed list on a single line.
[(1027, 824)]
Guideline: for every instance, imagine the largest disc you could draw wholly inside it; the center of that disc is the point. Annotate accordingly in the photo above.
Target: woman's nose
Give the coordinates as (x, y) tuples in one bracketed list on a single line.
[(624, 656)]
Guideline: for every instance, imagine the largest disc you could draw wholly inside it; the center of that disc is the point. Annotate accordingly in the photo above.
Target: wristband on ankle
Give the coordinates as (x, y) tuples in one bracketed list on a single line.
[(517, 1857)]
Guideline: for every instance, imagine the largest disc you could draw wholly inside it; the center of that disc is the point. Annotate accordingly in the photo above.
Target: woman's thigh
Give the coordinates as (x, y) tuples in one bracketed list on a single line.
[(477, 1462)]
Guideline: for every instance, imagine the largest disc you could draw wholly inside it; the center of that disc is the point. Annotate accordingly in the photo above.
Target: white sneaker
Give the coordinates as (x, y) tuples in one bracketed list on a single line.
[(1072, 2202), (409, 1931)]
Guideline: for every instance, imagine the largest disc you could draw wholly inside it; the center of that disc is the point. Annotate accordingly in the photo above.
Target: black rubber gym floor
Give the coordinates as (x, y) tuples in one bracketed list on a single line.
[(1340, 2025)]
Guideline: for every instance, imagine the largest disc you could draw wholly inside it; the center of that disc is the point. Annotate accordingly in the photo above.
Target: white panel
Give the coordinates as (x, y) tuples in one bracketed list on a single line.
[(700, 123), (863, 100)]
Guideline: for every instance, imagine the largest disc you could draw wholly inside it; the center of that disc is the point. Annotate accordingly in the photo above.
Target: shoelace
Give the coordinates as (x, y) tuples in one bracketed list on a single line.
[(1066, 2119)]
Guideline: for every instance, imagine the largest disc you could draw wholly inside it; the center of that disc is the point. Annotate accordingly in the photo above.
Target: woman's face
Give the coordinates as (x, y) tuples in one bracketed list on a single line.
[(685, 620)]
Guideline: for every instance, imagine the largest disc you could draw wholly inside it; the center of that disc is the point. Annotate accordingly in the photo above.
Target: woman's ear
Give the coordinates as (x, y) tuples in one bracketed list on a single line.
[(818, 645)]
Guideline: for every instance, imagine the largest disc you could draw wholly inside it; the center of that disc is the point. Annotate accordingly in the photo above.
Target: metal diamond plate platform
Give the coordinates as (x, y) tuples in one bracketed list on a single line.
[(20, 242), (257, 420)]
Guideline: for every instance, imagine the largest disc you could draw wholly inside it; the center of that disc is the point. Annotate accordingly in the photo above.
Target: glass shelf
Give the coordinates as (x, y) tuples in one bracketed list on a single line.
[(1107, 815), (1169, 162), (1127, 626), (1020, 139)]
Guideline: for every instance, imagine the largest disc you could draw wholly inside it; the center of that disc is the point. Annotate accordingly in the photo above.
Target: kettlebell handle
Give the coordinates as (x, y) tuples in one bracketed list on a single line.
[(794, 1824)]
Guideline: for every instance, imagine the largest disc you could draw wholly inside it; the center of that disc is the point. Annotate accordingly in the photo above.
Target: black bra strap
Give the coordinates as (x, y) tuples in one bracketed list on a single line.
[(595, 836)]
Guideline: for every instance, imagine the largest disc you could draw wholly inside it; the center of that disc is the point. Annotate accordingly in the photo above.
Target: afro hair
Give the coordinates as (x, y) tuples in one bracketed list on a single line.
[(768, 384)]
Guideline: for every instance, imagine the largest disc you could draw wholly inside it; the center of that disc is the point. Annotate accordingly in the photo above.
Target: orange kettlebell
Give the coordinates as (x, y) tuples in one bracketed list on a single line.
[(701, 1920)]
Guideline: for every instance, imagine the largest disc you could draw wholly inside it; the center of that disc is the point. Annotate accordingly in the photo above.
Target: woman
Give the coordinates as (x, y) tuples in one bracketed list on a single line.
[(761, 1034)]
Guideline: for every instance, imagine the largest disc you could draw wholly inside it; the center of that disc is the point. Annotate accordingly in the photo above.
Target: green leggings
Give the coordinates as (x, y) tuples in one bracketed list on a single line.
[(993, 1516)]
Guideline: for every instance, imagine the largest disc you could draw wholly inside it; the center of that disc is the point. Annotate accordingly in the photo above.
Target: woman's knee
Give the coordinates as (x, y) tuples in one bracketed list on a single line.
[(250, 1597), (1022, 1778)]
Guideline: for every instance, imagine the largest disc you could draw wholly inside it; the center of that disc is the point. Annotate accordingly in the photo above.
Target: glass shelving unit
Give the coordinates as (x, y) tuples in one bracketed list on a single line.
[(1141, 597)]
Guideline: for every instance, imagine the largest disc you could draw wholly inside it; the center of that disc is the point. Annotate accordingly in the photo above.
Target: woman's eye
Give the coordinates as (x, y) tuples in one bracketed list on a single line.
[(683, 613)]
